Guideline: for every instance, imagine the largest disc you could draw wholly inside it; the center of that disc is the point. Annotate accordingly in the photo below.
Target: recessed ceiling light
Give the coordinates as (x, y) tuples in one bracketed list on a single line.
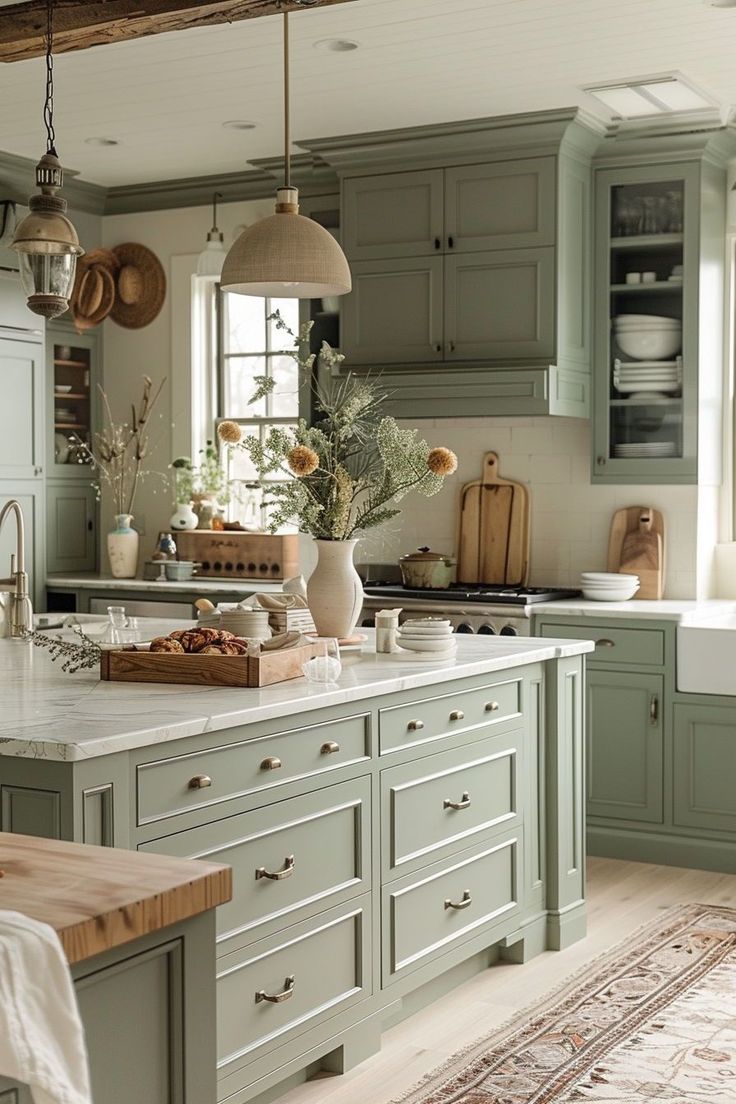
[(239, 124), (668, 94), (337, 45), (101, 142)]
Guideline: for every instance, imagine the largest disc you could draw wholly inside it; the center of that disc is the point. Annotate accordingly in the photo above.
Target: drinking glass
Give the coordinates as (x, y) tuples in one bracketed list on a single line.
[(325, 667)]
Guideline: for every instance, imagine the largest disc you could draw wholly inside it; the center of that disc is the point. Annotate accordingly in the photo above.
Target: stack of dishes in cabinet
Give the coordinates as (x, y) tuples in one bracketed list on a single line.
[(429, 638), (608, 586)]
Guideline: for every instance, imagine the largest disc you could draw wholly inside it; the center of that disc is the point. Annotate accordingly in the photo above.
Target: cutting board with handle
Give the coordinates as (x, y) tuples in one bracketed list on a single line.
[(636, 547), (493, 539)]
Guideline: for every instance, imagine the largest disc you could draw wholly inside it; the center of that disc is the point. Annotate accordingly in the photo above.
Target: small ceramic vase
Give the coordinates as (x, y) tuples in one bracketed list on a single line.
[(183, 517), (122, 548)]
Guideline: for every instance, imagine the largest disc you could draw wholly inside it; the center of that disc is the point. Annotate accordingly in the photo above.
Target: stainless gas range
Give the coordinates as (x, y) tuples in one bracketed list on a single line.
[(486, 610)]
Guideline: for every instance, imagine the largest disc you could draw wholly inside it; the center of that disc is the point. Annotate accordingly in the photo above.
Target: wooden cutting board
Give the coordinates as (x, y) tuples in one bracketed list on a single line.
[(493, 537), (636, 547)]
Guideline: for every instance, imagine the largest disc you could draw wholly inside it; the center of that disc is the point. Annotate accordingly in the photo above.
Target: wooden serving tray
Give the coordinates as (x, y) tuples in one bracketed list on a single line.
[(131, 665)]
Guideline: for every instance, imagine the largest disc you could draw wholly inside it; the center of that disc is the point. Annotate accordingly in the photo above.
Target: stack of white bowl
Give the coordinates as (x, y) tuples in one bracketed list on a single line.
[(608, 586), (432, 635), (251, 624), (648, 336)]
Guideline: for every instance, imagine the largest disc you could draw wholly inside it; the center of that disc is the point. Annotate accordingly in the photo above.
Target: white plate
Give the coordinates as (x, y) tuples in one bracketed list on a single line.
[(426, 622), (607, 576), (665, 386), (426, 630), (595, 596), (420, 644)]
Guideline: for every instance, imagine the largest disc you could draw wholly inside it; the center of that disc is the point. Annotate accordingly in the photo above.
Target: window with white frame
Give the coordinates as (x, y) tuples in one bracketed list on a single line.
[(250, 345)]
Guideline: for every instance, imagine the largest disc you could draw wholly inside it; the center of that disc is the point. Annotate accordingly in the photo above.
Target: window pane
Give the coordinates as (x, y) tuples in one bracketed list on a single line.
[(245, 323), (289, 311), (240, 466), (239, 386), (285, 396)]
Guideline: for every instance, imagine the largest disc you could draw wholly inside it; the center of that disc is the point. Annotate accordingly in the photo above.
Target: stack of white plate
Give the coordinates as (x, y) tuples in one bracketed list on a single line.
[(249, 623), (657, 376), (653, 449), (608, 586), (648, 336), (427, 634)]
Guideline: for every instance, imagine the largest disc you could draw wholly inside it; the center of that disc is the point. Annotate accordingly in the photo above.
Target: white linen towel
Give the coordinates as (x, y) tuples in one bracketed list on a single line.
[(41, 1035)]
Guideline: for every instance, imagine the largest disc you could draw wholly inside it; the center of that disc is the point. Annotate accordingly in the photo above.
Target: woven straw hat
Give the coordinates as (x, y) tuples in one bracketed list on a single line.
[(141, 286), (94, 289)]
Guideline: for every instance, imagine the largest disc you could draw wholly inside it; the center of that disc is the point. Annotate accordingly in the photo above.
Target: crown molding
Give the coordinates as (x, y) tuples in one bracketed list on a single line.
[(701, 136), (192, 191), (18, 182)]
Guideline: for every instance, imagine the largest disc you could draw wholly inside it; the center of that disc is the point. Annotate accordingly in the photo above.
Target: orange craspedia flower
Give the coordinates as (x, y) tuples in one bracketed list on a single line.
[(442, 461), (302, 460), (229, 432)]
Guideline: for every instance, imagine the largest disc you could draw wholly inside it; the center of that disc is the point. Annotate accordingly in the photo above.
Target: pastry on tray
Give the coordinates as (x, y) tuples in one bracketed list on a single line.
[(204, 641)]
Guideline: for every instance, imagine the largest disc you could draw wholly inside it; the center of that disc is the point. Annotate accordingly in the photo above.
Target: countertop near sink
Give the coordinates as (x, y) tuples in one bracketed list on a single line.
[(681, 611), (153, 586)]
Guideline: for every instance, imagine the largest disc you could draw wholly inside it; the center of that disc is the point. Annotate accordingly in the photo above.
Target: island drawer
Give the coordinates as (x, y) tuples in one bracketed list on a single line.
[(447, 798), (197, 779), (426, 915), (283, 986), (613, 645), (304, 853), (403, 726)]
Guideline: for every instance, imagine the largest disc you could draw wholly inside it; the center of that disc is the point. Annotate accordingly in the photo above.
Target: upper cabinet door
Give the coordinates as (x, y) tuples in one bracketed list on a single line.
[(71, 372), (504, 205), (500, 306), (21, 409), (393, 215), (393, 315)]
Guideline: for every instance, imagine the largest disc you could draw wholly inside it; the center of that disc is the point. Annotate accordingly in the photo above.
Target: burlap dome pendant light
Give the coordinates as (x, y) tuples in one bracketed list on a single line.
[(286, 255)]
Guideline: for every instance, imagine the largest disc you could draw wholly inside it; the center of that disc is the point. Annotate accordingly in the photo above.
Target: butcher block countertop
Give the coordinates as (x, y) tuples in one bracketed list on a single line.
[(97, 898)]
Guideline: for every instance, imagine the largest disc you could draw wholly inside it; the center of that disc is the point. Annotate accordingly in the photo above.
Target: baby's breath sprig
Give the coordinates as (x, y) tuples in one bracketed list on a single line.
[(73, 657)]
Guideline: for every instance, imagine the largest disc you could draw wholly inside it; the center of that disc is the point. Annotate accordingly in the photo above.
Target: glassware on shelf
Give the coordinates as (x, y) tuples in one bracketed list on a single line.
[(674, 211)]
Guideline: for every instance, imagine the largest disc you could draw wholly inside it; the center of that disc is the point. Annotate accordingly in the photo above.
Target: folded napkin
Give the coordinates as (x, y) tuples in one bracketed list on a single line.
[(41, 1035)]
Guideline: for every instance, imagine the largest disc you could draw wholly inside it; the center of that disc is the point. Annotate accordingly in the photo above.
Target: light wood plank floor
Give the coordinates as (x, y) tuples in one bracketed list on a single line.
[(621, 897)]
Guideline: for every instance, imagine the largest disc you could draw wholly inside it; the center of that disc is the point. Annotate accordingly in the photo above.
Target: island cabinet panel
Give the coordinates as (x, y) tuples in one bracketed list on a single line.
[(445, 800), (205, 778), (393, 215), (502, 205), (705, 767), (394, 312), (289, 859)]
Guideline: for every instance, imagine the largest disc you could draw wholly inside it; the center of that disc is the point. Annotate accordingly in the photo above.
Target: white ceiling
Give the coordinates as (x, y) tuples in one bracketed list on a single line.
[(420, 61)]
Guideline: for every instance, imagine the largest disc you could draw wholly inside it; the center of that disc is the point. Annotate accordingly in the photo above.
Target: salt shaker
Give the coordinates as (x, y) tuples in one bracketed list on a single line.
[(387, 626)]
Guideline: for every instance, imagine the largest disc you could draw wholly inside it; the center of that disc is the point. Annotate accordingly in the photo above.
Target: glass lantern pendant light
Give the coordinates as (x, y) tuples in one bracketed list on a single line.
[(286, 255), (45, 240), (212, 257)]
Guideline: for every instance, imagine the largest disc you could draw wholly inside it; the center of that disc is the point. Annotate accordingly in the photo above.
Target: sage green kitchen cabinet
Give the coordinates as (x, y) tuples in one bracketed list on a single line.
[(72, 374), (502, 205), (624, 748), (21, 410), (394, 312), (393, 215), (705, 766), (71, 526)]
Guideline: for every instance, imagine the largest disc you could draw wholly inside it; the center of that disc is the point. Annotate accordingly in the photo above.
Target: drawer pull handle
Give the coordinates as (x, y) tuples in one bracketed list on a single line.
[(278, 998), (492, 707), (604, 642), (200, 782), (654, 710), (330, 747), (466, 902), (415, 726), (457, 715), (277, 875), (271, 762), (463, 803)]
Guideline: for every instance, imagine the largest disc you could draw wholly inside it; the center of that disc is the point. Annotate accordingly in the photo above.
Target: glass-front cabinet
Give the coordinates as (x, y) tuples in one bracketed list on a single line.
[(72, 376), (647, 345)]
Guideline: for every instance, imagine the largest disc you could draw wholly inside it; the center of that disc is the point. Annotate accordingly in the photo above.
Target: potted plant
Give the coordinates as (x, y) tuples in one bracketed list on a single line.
[(183, 516)]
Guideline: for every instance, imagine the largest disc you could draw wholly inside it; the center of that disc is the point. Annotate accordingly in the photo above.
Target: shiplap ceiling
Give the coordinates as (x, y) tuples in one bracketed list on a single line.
[(164, 98)]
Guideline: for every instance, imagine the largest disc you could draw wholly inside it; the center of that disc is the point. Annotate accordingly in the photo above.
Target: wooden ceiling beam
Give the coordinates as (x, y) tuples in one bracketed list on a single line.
[(79, 24)]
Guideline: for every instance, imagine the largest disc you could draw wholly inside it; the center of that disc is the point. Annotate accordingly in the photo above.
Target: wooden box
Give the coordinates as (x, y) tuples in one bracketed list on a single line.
[(132, 665), (229, 555)]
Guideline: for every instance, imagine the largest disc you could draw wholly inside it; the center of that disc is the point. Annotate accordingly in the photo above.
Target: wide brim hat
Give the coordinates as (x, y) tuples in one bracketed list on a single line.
[(93, 295), (141, 286)]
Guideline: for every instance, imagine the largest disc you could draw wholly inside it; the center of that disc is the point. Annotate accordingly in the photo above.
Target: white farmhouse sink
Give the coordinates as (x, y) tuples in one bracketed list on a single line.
[(706, 655)]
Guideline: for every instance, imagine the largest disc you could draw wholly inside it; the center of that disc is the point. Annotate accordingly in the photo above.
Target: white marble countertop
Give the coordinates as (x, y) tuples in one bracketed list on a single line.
[(665, 610), (45, 713), (206, 586)]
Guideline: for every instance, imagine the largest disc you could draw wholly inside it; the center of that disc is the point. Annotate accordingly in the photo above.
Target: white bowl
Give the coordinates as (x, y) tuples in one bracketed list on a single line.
[(596, 596), (662, 320), (425, 644), (426, 623), (428, 631), (649, 344), (614, 577)]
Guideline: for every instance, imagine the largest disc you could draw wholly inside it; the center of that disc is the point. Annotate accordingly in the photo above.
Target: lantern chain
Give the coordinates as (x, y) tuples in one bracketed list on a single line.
[(48, 107)]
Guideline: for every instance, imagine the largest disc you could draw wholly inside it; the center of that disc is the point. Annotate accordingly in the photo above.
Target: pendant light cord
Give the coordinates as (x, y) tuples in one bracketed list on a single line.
[(48, 106), (287, 105)]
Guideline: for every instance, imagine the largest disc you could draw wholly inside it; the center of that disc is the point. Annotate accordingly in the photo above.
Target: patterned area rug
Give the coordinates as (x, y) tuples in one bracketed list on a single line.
[(653, 1019)]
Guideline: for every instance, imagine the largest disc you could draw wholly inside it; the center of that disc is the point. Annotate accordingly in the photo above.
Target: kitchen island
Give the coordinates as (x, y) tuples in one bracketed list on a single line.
[(389, 835)]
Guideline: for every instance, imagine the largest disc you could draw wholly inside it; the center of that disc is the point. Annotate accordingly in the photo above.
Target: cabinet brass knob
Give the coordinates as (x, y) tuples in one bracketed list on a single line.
[(415, 726), (600, 461), (463, 803), (329, 747), (492, 707), (654, 710), (271, 762), (277, 875), (278, 998), (200, 782), (604, 642), (457, 715), (466, 902)]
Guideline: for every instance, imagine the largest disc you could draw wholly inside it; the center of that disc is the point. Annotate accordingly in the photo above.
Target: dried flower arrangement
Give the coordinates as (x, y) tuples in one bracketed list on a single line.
[(73, 657), (345, 472)]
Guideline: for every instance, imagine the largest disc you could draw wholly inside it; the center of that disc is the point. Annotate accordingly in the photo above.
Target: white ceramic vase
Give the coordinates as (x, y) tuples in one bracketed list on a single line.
[(334, 589), (183, 517), (122, 548)]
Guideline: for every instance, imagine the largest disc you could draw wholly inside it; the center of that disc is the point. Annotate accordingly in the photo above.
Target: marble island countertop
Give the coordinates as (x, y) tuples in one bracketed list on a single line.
[(680, 610), (46, 713)]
